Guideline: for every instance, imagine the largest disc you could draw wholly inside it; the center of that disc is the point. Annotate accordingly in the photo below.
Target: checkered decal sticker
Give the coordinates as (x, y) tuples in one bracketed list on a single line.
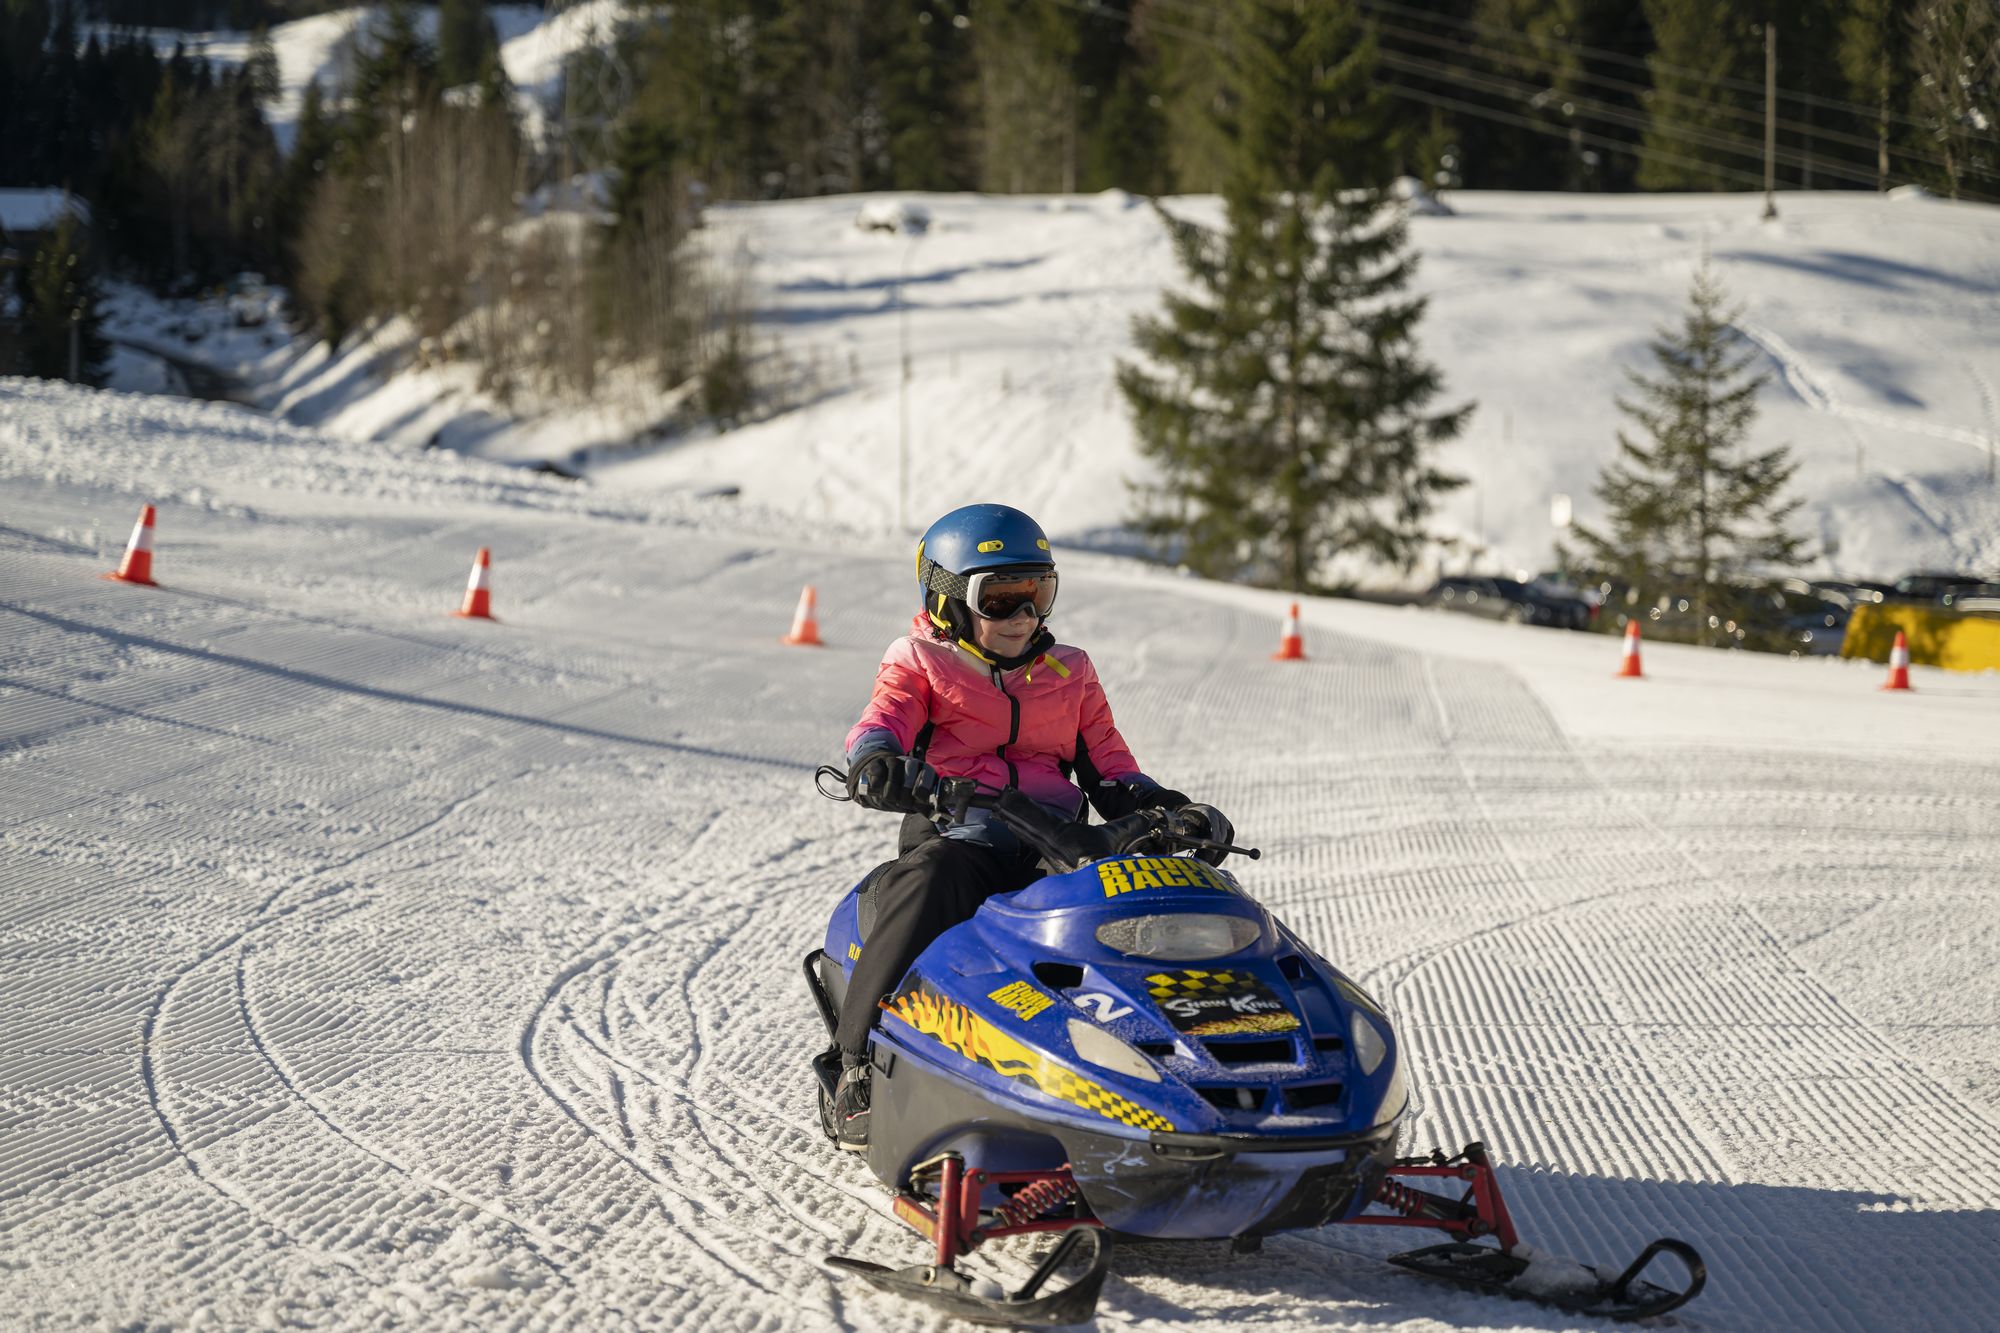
[(930, 1012)]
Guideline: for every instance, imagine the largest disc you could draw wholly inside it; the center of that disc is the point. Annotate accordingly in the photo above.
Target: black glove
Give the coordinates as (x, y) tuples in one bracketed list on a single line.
[(1115, 800), (897, 783), (1205, 821)]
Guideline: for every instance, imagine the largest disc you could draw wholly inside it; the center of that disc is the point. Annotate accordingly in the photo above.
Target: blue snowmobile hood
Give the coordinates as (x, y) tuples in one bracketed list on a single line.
[(1059, 1000)]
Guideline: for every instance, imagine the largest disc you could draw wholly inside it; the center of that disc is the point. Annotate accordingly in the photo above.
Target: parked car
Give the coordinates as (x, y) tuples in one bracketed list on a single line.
[(1935, 587), (1811, 618), (1510, 600), (1849, 592)]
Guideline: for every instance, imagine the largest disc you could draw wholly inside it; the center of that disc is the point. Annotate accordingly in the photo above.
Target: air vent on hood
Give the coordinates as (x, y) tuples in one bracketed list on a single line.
[(1059, 976), (1278, 1052), (1307, 1096), (1234, 1099)]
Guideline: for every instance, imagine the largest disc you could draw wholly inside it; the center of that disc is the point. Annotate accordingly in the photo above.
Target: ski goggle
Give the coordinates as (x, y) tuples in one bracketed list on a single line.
[(1000, 595)]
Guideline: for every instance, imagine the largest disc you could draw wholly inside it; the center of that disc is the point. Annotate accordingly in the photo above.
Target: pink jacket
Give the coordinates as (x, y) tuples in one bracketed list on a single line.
[(1003, 728)]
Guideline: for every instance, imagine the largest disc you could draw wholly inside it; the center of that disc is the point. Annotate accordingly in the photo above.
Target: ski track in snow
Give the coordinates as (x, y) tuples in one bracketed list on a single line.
[(367, 968)]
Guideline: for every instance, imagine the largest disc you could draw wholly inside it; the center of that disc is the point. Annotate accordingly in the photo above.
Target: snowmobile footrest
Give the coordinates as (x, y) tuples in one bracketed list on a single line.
[(1573, 1287), (950, 1291)]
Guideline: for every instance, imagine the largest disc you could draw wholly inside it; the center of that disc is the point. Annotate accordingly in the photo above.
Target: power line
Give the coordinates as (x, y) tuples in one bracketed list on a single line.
[(1582, 136), (1493, 55), (1651, 64), (1725, 141)]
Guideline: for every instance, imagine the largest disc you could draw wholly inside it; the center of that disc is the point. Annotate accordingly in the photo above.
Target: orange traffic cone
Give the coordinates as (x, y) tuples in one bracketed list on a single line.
[(805, 621), (1630, 666), (479, 589), (1291, 648), (1899, 664), (137, 567)]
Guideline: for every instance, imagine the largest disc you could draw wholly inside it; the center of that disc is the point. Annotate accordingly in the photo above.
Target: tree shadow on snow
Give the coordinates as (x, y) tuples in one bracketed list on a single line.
[(933, 277), (1867, 271), (1779, 1258), (321, 681)]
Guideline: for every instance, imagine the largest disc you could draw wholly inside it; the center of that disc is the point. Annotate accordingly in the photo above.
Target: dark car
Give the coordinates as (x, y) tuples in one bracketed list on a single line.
[(1810, 617), (1849, 592), (1511, 600), (1942, 588)]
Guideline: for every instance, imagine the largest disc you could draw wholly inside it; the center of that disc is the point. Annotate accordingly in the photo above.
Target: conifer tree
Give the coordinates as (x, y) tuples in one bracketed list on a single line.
[(465, 41), (1701, 43), (59, 308), (1874, 41), (1284, 400), (262, 67), (925, 99), (1956, 52), (1687, 504)]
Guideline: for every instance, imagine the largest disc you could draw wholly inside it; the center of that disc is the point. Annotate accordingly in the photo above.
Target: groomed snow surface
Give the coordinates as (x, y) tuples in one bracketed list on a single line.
[(367, 968)]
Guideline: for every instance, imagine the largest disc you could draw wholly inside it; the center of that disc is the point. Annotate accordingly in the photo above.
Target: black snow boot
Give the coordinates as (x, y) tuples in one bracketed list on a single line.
[(850, 1103)]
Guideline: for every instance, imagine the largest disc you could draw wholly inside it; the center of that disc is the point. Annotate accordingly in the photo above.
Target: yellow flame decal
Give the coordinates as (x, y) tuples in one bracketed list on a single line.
[(965, 1032)]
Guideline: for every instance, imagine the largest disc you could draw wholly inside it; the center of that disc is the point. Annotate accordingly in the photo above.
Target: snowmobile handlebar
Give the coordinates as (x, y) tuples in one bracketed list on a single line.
[(1068, 844), (1064, 843)]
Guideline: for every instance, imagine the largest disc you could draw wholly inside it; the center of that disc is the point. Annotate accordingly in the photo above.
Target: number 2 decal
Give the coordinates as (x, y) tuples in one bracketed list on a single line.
[(1100, 1006)]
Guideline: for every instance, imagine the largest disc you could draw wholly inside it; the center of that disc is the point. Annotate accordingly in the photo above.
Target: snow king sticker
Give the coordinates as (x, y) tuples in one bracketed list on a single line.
[(1218, 1004)]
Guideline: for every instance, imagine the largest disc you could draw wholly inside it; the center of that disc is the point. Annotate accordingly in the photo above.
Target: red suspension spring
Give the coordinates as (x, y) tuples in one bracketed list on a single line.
[(1036, 1198), (1402, 1198)]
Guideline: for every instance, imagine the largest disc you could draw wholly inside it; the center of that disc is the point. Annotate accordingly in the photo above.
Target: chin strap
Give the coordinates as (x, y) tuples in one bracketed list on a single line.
[(1039, 644)]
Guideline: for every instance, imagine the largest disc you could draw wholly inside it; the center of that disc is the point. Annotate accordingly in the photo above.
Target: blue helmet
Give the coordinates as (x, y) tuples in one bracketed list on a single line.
[(975, 539)]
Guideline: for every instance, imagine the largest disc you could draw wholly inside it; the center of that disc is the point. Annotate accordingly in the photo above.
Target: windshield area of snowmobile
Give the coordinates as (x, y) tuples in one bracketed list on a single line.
[(1066, 844), (1063, 844)]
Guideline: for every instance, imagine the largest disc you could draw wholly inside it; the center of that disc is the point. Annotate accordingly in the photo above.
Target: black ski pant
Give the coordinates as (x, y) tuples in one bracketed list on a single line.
[(935, 884)]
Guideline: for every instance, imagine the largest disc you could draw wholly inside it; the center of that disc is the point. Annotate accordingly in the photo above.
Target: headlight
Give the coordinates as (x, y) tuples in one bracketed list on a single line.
[(1369, 1048), (1394, 1098), (1101, 1048), (1180, 936)]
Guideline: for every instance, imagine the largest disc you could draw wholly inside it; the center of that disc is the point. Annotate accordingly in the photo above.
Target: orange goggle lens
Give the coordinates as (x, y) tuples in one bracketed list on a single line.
[(1001, 596)]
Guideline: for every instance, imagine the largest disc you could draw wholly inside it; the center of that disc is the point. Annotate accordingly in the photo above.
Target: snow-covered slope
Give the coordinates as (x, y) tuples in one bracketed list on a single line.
[(320, 49), (1876, 319), (366, 967)]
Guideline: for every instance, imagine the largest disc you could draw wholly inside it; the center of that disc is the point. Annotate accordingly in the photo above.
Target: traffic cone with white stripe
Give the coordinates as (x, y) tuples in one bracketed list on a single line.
[(479, 589), (1291, 647), (1899, 664), (1630, 666), (137, 566), (805, 621)]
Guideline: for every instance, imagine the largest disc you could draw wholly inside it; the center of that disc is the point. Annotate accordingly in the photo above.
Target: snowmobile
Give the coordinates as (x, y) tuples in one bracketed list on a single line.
[(1132, 1046)]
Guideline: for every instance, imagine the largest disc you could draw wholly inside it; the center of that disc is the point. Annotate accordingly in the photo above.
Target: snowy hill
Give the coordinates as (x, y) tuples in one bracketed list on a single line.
[(368, 967), (320, 49), (1876, 317)]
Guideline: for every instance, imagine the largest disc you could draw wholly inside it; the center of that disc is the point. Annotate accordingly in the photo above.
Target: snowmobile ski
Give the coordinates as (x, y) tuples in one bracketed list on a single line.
[(950, 1291), (1570, 1286)]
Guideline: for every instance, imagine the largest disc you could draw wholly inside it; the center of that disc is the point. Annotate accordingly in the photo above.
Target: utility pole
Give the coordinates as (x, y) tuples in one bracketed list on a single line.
[(1770, 120), (903, 394)]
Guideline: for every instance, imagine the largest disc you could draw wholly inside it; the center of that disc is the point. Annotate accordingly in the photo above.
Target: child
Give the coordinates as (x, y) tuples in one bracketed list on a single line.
[(978, 689)]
